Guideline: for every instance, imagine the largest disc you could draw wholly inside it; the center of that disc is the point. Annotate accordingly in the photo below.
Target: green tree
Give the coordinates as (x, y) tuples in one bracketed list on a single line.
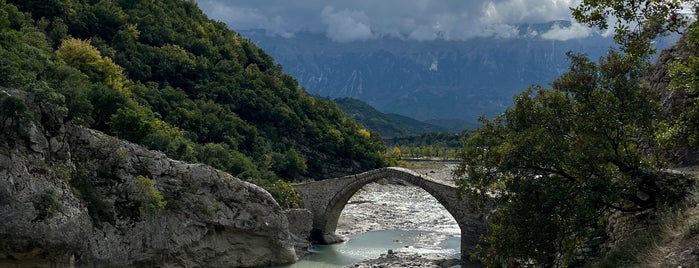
[(217, 156), (683, 127), (285, 194), (14, 117), (562, 158), (105, 102), (86, 58), (289, 165), (130, 124), (73, 83), (149, 198), (638, 22), (24, 52)]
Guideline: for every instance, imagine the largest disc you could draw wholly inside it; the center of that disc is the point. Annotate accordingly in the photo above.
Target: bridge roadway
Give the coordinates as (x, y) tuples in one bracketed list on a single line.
[(326, 199)]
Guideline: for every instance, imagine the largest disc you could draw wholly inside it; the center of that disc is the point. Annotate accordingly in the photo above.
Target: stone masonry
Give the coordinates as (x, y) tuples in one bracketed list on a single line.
[(326, 199)]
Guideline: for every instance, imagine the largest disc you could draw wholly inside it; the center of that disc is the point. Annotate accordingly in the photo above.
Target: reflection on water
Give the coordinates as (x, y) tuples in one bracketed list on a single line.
[(371, 245)]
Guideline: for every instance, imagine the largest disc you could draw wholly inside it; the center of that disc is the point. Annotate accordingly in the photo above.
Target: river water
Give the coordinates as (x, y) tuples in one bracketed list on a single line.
[(371, 245), (391, 215)]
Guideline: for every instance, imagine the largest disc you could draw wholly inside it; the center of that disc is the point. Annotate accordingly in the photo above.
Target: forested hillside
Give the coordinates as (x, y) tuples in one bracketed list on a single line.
[(387, 125), (161, 74)]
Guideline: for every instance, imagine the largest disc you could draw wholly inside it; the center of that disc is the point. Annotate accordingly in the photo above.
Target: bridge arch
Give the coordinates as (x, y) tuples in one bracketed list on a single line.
[(327, 198)]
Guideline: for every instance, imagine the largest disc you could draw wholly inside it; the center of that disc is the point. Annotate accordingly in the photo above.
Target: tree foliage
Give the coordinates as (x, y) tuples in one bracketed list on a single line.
[(559, 161), (562, 158), (149, 198), (80, 54), (14, 118), (636, 22), (285, 194), (683, 129)]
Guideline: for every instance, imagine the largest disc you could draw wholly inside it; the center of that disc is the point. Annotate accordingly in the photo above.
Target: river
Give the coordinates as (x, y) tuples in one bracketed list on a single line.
[(371, 245)]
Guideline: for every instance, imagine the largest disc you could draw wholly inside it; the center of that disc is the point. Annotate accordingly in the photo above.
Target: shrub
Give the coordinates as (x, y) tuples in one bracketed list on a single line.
[(48, 205), (14, 116), (149, 198), (285, 194), (694, 228), (82, 185)]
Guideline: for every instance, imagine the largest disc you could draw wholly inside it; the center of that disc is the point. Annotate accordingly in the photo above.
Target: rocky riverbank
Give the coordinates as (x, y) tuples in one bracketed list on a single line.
[(404, 259)]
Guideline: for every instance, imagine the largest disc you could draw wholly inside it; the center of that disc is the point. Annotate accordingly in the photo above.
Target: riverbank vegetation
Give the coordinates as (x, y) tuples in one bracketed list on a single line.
[(560, 161), (163, 75), (441, 145)]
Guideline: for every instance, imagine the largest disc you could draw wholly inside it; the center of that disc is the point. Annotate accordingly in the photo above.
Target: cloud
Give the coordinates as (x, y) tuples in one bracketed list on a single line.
[(248, 17), (526, 11), (424, 20), (574, 31), (501, 30), (424, 33), (345, 25)]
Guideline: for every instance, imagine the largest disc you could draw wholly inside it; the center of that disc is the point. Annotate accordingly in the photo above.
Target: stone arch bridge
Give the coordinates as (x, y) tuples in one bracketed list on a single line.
[(327, 198)]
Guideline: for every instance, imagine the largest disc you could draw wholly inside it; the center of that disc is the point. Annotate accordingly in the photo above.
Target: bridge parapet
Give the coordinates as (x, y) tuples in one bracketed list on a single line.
[(327, 198)]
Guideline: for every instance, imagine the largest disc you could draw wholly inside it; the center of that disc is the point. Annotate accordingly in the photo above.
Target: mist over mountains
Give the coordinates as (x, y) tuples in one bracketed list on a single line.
[(430, 80)]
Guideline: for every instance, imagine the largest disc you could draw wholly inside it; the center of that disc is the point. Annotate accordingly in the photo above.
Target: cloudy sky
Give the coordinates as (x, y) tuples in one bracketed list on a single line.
[(355, 20)]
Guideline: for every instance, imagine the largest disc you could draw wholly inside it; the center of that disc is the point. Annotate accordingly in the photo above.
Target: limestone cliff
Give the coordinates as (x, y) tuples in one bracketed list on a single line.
[(74, 196)]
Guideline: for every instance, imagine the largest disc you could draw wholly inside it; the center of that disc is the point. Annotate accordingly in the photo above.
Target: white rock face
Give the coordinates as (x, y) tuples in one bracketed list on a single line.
[(68, 197)]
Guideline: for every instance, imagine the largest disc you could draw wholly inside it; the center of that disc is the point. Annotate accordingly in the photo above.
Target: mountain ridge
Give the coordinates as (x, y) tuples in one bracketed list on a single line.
[(387, 125), (427, 80)]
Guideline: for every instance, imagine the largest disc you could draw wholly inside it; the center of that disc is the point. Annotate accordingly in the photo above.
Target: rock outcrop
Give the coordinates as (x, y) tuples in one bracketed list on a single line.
[(74, 196), (300, 225)]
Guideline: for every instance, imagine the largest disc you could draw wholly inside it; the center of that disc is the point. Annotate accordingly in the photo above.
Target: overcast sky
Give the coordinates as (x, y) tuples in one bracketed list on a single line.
[(354, 20)]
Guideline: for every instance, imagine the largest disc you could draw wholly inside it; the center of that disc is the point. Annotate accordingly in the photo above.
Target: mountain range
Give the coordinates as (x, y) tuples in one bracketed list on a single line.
[(446, 81), (388, 125)]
